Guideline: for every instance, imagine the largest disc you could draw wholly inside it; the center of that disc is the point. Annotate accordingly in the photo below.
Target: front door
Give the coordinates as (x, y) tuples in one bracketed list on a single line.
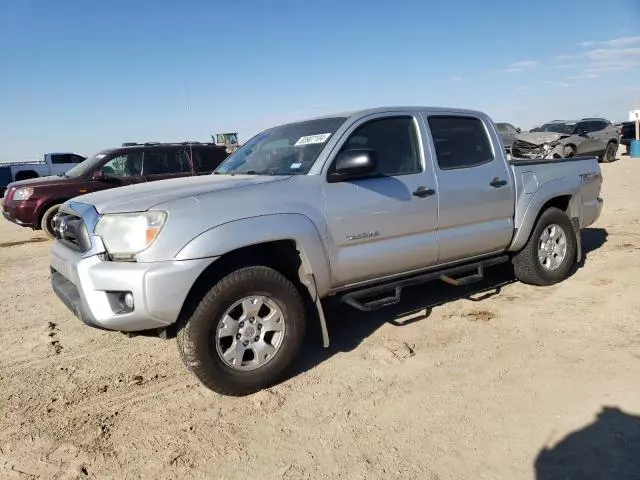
[(598, 131), (383, 224), (587, 143), (124, 168), (476, 194)]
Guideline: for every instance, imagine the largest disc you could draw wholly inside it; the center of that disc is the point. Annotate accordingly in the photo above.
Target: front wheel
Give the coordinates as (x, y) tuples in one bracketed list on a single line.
[(46, 223), (550, 252), (245, 333)]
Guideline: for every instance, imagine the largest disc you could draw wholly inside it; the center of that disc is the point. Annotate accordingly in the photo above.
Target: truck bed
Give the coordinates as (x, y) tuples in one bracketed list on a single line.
[(577, 179), (540, 161)]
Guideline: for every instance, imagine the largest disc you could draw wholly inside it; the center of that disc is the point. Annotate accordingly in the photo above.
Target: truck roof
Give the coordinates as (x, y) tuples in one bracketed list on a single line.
[(354, 114)]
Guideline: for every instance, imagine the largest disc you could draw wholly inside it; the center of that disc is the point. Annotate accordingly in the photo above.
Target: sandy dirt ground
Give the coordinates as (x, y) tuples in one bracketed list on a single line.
[(502, 381)]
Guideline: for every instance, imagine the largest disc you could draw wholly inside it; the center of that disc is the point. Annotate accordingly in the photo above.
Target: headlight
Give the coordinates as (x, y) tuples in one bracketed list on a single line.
[(22, 193), (125, 234)]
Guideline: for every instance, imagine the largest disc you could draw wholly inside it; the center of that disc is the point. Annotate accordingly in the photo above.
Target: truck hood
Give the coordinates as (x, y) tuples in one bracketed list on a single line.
[(540, 138), (143, 196)]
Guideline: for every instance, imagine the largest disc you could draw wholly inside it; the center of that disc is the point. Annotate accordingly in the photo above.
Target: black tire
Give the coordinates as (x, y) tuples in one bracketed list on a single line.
[(197, 338), (46, 222), (610, 153), (527, 266)]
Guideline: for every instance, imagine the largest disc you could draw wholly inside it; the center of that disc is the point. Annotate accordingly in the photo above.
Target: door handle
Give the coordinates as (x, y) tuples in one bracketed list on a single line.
[(423, 191), (497, 183)]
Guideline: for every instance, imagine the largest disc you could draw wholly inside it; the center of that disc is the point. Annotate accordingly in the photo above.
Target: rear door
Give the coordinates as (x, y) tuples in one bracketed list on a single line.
[(164, 163), (62, 162), (475, 189), (601, 134), (384, 223)]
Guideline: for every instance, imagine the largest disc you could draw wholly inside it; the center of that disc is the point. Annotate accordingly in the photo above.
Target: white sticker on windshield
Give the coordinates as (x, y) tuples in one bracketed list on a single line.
[(311, 139), (295, 166)]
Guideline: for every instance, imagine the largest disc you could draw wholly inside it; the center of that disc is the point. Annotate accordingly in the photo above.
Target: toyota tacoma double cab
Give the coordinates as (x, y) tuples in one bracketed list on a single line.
[(34, 203), (350, 207)]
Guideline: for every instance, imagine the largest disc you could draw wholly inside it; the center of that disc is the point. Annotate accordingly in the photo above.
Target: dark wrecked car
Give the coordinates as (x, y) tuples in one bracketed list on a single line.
[(564, 138)]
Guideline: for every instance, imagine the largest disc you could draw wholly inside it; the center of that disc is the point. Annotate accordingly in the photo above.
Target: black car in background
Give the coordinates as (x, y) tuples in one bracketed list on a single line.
[(627, 133)]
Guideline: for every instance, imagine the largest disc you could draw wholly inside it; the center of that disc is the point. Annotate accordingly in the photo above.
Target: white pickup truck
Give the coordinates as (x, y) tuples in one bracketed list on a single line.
[(51, 164), (355, 207)]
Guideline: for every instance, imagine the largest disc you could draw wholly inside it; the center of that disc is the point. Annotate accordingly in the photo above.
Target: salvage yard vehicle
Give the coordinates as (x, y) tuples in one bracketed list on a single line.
[(51, 164), (627, 134), (562, 139), (34, 203), (351, 207), (507, 133)]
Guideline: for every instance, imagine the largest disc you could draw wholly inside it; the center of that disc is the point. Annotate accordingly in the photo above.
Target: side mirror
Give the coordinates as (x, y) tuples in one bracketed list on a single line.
[(355, 163), (584, 133)]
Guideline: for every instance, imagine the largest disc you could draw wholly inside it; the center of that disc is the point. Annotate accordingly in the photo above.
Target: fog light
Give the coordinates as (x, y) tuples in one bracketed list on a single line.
[(127, 300)]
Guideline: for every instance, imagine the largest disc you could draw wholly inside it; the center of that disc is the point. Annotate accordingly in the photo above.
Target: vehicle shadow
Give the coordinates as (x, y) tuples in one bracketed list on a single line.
[(592, 240), (607, 448), (23, 242), (348, 327)]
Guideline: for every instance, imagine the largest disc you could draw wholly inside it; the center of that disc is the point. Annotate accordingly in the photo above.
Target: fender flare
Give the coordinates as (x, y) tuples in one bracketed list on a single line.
[(246, 232), (545, 193), (314, 272)]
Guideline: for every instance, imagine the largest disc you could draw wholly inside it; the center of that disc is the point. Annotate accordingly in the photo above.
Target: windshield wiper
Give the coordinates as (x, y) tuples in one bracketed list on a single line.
[(255, 172)]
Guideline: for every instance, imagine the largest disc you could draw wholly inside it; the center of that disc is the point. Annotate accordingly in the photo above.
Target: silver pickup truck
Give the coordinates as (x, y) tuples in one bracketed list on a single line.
[(353, 206)]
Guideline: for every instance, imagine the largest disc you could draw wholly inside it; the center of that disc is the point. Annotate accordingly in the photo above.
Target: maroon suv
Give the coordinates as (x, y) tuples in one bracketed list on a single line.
[(33, 203)]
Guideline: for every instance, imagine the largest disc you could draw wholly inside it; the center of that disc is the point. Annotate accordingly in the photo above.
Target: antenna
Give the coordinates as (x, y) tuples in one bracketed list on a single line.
[(186, 94)]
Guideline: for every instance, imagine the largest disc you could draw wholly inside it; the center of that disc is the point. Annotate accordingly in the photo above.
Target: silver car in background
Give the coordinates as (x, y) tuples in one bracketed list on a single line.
[(569, 138)]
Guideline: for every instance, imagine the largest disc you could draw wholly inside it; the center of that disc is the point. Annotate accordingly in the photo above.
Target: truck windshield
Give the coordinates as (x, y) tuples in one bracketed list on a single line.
[(286, 150), (566, 128), (87, 165)]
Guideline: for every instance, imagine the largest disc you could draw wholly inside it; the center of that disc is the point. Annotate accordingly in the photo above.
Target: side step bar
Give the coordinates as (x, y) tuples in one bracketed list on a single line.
[(357, 299)]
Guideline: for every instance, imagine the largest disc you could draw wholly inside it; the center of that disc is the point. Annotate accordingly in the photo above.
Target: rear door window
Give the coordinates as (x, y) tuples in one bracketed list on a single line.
[(460, 142), (59, 158), (208, 159), (165, 161)]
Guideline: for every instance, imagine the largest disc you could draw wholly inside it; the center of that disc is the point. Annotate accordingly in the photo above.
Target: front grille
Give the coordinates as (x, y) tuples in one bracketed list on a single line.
[(525, 149), (72, 231)]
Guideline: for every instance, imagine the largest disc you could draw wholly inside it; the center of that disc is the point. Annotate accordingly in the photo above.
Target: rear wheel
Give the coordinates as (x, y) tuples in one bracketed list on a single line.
[(46, 223), (245, 332), (610, 153), (550, 252)]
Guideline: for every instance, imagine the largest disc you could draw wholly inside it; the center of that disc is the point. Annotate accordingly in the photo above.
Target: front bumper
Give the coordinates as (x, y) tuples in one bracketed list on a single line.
[(89, 286), (20, 212)]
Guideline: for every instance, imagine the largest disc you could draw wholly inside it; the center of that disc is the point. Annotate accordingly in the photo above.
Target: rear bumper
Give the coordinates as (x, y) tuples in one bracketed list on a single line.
[(599, 205), (91, 287)]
